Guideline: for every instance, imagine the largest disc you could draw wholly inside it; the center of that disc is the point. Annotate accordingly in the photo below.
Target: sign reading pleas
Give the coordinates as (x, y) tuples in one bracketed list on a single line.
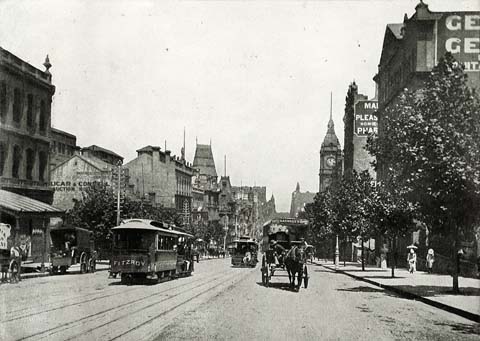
[(366, 122)]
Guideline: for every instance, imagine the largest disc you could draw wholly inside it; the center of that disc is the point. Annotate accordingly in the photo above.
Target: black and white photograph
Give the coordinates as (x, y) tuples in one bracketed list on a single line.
[(239, 170)]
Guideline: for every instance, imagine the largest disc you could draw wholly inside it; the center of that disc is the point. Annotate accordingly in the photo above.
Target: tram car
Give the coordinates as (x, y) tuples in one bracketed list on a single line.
[(70, 246), (285, 249), (150, 250), (244, 252)]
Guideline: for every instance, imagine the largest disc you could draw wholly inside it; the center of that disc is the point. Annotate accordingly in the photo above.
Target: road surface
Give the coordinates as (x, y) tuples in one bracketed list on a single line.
[(218, 303)]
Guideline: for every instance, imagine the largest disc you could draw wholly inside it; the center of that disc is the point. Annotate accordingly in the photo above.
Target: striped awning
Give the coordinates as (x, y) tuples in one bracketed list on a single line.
[(20, 204)]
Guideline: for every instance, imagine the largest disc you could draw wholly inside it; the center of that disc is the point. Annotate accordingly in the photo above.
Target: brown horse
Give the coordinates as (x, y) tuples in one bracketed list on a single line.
[(294, 262)]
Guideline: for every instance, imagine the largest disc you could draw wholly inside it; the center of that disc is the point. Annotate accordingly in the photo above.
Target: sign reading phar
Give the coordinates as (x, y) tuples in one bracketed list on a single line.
[(366, 122)]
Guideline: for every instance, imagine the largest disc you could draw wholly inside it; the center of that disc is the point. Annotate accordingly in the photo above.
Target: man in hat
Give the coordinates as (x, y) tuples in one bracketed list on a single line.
[(278, 252)]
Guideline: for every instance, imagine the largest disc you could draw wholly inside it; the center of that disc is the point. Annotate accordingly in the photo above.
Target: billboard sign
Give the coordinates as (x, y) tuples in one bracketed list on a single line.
[(366, 121), (4, 235), (459, 33)]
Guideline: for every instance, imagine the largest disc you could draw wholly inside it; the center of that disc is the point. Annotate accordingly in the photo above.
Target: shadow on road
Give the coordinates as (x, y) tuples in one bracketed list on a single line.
[(367, 289), (279, 286), (462, 327)]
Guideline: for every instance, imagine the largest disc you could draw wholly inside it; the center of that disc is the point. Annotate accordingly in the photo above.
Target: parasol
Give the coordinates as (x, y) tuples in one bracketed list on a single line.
[(412, 247)]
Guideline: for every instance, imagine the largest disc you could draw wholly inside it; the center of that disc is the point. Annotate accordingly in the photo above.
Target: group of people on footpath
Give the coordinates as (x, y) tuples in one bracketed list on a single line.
[(412, 260)]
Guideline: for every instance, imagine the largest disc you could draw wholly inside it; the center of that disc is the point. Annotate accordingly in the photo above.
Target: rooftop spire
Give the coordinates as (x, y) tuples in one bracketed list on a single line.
[(330, 106)]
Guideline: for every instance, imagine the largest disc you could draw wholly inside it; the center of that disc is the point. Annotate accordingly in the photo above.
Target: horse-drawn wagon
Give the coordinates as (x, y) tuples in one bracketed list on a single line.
[(284, 249), (70, 246), (244, 252)]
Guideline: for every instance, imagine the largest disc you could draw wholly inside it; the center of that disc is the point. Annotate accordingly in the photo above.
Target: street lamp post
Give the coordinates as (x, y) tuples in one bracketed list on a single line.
[(337, 253)]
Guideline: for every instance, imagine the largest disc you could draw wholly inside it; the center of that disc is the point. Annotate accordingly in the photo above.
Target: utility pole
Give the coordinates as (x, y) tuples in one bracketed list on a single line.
[(118, 191)]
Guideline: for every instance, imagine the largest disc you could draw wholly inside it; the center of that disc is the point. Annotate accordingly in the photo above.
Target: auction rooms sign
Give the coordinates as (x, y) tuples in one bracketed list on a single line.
[(366, 122)]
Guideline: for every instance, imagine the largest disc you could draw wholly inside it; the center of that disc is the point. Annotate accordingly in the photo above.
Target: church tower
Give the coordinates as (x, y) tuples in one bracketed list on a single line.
[(331, 159)]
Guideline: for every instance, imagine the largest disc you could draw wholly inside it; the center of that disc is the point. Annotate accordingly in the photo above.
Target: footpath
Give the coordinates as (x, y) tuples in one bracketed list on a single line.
[(432, 289)]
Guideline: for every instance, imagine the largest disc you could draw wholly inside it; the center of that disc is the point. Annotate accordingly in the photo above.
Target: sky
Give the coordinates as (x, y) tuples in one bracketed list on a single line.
[(252, 77)]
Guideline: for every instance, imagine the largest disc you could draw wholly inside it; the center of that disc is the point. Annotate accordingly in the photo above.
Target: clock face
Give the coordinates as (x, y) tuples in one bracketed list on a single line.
[(331, 162)]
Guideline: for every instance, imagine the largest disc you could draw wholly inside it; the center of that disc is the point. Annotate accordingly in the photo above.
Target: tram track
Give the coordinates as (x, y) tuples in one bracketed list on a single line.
[(174, 308), (80, 321)]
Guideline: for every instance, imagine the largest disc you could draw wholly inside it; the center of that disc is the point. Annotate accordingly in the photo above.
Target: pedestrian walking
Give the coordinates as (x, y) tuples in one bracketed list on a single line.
[(430, 260), (412, 261)]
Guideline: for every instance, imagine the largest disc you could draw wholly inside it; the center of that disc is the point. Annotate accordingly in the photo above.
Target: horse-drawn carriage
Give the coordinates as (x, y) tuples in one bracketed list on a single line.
[(284, 249), (70, 246), (244, 252)]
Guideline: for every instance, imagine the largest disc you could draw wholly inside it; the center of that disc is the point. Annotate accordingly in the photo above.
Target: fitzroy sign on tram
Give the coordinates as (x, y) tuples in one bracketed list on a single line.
[(366, 122)]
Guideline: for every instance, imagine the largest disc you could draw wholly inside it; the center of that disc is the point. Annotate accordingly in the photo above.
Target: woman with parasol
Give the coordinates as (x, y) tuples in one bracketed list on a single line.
[(412, 259)]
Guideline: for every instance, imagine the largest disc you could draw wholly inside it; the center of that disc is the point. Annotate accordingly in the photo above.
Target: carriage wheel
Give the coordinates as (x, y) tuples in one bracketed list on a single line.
[(267, 276), (83, 263), (305, 279), (92, 265), (53, 270), (14, 270)]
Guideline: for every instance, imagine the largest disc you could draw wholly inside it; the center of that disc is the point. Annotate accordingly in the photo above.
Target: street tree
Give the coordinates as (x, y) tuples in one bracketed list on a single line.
[(97, 210), (430, 146), (392, 216)]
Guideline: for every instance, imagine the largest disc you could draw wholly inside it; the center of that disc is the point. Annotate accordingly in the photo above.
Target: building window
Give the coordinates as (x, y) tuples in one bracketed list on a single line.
[(42, 165), (30, 116), (3, 100), (30, 163), (425, 49), (17, 158), (17, 105), (3, 157), (43, 116)]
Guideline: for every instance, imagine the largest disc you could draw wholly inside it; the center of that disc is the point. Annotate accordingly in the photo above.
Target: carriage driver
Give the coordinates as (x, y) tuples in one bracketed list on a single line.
[(278, 252)]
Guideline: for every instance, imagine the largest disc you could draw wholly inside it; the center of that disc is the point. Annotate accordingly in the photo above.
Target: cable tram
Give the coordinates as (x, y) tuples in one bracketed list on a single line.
[(151, 250), (244, 252)]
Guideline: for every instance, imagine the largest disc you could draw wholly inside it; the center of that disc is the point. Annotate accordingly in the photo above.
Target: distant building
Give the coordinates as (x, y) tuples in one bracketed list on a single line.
[(161, 178), (331, 157), (103, 154), (360, 120), (63, 146), (299, 200)]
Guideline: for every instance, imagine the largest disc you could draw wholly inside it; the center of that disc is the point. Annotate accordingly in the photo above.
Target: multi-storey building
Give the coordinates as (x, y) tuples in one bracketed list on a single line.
[(63, 146), (25, 193), (360, 121), (161, 178), (103, 154), (412, 48), (25, 105)]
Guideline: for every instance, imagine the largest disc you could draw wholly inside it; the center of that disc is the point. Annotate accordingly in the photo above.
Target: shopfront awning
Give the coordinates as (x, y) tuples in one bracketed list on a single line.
[(17, 204)]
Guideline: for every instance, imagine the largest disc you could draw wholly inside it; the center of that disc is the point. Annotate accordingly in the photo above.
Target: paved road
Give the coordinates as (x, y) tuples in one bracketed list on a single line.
[(217, 303)]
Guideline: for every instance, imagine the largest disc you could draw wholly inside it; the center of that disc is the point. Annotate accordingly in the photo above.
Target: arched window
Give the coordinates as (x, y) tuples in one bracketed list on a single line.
[(30, 163), (3, 157), (43, 116), (30, 112), (17, 158), (17, 105), (42, 158)]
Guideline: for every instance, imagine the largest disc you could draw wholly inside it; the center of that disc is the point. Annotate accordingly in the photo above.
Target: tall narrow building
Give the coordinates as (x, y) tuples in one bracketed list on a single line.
[(331, 159)]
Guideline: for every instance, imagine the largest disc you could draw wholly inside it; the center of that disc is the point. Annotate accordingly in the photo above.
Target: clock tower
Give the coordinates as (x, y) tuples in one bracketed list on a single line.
[(331, 158)]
